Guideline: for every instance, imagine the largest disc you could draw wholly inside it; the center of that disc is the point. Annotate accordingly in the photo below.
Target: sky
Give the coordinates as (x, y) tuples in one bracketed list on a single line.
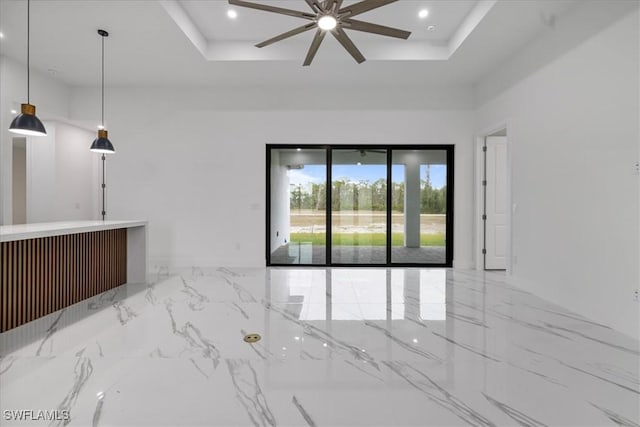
[(371, 173)]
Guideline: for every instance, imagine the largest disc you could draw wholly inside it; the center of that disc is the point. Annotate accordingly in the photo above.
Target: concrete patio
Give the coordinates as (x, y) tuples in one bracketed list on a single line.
[(306, 253)]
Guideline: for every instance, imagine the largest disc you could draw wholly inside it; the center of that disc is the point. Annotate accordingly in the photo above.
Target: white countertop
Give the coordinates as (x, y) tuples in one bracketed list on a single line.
[(10, 233)]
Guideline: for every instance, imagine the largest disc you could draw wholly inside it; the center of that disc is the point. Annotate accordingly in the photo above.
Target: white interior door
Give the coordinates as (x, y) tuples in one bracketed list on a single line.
[(496, 203)]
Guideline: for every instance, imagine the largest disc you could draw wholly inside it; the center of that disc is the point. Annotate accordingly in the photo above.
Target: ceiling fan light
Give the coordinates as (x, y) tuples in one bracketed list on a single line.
[(329, 16), (327, 22)]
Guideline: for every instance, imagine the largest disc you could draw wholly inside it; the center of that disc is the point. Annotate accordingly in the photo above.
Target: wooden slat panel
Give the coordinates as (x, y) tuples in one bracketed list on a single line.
[(8, 254), (16, 280), (40, 276), (6, 295), (25, 282), (35, 306), (14, 287), (11, 303), (50, 271), (3, 290), (7, 260), (19, 288), (28, 281), (39, 244), (58, 286)]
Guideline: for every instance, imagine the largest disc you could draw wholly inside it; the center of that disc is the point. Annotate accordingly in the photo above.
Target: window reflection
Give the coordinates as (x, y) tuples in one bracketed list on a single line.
[(398, 297), (433, 294), (301, 293), (376, 294)]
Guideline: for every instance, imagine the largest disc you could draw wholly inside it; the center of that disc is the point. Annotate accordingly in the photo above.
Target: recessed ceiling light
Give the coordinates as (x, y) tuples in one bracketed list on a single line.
[(298, 149), (423, 13), (14, 112), (1, 35), (232, 14), (431, 27), (327, 23)]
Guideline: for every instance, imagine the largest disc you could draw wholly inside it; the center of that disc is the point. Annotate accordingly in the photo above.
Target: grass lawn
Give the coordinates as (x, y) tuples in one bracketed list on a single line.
[(365, 239), (307, 218)]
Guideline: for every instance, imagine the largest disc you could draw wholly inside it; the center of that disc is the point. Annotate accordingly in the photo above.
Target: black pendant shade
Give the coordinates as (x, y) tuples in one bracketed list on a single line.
[(102, 144), (27, 123)]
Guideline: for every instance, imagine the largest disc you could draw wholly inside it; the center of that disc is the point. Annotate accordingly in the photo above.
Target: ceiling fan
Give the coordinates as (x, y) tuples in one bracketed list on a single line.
[(329, 16)]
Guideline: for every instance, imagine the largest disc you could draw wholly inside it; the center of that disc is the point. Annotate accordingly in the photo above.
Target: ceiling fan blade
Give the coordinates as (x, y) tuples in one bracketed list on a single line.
[(314, 5), (363, 6), (368, 27), (313, 49), (288, 34), (273, 9), (346, 42), (330, 4)]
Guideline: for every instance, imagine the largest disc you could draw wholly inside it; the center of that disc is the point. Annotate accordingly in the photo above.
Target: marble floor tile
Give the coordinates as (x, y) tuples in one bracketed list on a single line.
[(339, 347)]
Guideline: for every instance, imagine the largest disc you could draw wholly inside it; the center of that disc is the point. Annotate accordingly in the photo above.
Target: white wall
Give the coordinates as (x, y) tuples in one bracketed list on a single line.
[(61, 179), (76, 174), (41, 176), (573, 130), (19, 181), (51, 99), (192, 161)]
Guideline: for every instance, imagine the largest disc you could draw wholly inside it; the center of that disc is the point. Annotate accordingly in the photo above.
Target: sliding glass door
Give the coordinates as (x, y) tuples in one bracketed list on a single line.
[(360, 205), (297, 206), (419, 212)]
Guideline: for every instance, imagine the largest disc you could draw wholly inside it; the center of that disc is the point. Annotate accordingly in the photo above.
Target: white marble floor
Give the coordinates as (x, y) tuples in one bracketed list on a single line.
[(340, 347)]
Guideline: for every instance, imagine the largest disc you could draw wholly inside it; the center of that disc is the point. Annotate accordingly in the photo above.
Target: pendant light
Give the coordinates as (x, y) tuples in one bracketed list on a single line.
[(27, 123), (102, 144)]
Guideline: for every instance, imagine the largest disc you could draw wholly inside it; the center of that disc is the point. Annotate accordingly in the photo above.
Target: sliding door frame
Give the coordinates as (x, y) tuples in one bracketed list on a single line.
[(450, 155)]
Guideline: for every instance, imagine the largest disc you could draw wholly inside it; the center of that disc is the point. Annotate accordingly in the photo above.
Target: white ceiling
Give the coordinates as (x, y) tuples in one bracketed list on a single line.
[(152, 42), (219, 38), (254, 25)]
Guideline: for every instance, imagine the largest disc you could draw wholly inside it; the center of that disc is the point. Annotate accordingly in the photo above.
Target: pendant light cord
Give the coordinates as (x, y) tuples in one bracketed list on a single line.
[(102, 119), (104, 186), (28, 42), (104, 158)]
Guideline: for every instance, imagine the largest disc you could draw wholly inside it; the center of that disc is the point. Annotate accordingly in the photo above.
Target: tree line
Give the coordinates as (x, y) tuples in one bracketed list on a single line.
[(364, 195)]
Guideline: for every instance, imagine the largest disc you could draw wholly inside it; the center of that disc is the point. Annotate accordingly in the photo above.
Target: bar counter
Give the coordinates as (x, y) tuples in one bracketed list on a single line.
[(46, 267)]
